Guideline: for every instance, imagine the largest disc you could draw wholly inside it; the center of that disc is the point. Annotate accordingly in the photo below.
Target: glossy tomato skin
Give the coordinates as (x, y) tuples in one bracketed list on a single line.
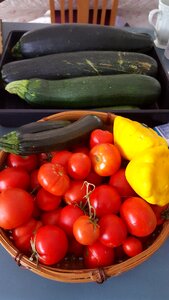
[(98, 255), (139, 216), (51, 244), (100, 136), (61, 157), (105, 200), (47, 201), (132, 246), (53, 178), (16, 207), (119, 181), (113, 230), (75, 193), (14, 178), (79, 166), (68, 215), (22, 235), (85, 231), (161, 213), (106, 159), (29, 162)]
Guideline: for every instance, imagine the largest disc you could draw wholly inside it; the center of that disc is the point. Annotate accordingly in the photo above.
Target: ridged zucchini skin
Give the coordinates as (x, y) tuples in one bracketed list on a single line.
[(78, 64), (79, 37), (55, 139), (88, 92)]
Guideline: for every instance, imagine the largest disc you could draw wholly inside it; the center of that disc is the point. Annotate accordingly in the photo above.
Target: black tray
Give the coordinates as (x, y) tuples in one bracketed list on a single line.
[(13, 102)]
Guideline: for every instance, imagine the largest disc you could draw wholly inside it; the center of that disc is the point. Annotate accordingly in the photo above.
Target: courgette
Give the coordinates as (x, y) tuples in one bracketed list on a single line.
[(77, 64), (88, 92), (22, 143), (35, 126), (79, 37)]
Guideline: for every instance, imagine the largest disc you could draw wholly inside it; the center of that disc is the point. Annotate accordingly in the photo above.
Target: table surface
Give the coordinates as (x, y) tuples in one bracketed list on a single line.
[(148, 281)]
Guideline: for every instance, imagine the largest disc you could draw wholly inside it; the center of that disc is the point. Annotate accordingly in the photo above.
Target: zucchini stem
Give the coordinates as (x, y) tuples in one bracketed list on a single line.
[(18, 87)]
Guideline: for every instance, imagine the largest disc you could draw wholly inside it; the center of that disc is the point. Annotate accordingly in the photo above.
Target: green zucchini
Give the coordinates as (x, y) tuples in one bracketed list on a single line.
[(35, 126), (22, 143), (88, 92), (79, 37), (77, 64)]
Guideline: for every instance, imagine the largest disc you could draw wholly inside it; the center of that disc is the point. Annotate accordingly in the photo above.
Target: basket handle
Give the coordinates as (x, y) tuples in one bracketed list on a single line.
[(76, 114)]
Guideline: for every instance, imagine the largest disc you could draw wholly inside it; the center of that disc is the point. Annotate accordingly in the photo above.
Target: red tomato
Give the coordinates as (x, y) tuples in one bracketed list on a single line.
[(53, 178), (76, 249), (113, 230), (161, 212), (34, 183), (132, 246), (139, 216), (79, 166), (43, 158), (47, 201), (106, 159), (14, 177), (105, 200), (51, 244), (67, 217), (16, 207), (29, 162), (119, 181), (76, 193), (100, 136), (94, 178), (22, 235), (85, 230), (51, 217), (98, 255), (61, 157)]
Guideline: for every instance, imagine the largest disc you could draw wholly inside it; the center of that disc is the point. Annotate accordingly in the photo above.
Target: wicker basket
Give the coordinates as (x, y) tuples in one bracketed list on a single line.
[(82, 275)]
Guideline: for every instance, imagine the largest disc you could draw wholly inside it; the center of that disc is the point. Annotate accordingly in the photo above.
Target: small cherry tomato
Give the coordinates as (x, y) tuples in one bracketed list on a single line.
[(67, 217), (132, 246), (22, 235), (98, 255), (14, 178), (94, 178), (161, 213), (34, 183), (100, 136), (29, 162), (75, 193), (113, 230), (51, 217), (119, 181), (105, 200), (139, 216), (106, 159), (16, 207), (61, 157), (53, 178), (85, 230), (47, 201), (79, 166), (51, 244)]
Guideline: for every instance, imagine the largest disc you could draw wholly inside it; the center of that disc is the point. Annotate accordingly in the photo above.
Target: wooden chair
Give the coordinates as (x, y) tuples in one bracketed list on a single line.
[(83, 13)]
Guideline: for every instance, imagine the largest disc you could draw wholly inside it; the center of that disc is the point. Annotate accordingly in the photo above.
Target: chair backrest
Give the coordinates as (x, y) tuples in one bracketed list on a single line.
[(84, 11)]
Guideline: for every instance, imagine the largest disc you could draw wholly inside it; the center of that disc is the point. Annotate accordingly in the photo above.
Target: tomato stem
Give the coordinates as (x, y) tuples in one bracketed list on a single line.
[(89, 189)]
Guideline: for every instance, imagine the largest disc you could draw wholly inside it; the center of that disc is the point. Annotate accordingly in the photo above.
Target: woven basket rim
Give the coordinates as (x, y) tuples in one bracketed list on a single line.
[(82, 275)]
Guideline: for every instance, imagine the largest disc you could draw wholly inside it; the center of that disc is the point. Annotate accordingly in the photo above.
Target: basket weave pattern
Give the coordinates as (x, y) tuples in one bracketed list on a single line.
[(81, 275)]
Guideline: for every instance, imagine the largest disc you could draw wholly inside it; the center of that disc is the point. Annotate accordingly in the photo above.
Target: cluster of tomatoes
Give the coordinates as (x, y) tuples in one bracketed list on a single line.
[(74, 203)]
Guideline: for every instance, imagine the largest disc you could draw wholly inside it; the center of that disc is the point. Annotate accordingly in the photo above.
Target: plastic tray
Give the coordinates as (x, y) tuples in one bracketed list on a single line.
[(9, 101)]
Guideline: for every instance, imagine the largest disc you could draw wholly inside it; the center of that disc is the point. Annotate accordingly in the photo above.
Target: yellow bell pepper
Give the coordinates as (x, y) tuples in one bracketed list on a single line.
[(132, 137), (148, 175)]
